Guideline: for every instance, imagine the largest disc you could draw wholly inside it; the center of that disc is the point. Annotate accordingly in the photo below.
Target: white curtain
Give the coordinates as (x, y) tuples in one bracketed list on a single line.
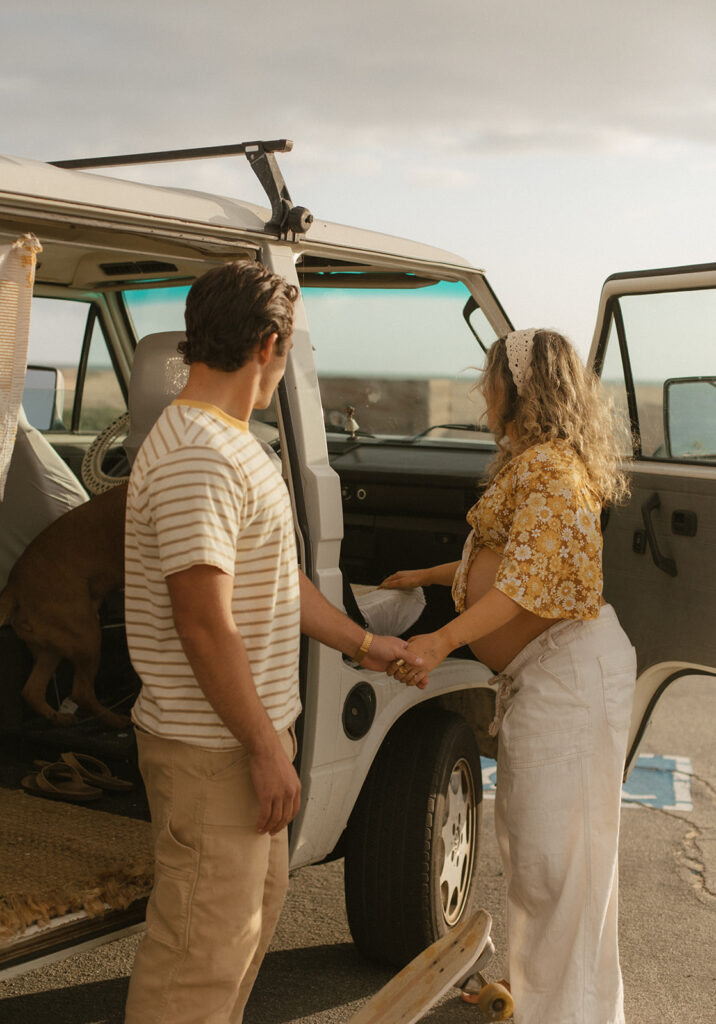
[(17, 276)]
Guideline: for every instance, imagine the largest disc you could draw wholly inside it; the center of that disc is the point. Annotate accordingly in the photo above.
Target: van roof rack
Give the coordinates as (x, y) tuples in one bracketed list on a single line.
[(285, 217)]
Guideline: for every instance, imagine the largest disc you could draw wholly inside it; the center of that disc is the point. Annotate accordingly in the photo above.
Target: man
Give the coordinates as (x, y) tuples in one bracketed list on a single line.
[(214, 606)]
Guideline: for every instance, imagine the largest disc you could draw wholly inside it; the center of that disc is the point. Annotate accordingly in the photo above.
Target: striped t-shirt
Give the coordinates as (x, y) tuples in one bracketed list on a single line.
[(203, 492)]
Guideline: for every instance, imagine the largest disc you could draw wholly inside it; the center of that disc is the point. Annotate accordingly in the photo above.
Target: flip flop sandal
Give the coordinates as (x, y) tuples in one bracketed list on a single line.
[(93, 771), (60, 782)]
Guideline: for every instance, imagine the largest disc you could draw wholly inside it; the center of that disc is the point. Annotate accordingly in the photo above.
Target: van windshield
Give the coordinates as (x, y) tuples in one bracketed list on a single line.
[(399, 352), (402, 357)]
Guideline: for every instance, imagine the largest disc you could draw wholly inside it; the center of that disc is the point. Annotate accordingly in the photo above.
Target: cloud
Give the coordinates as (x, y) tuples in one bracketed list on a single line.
[(480, 76)]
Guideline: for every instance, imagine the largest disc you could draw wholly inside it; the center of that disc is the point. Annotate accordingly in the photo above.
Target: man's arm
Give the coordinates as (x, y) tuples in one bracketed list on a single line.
[(325, 623), (201, 605)]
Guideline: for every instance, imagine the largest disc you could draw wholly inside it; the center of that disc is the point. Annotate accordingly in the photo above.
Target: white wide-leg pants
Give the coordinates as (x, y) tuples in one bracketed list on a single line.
[(561, 757)]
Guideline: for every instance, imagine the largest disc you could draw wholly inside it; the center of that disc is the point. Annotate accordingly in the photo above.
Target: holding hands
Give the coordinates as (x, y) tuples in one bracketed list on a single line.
[(430, 649), (385, 651)]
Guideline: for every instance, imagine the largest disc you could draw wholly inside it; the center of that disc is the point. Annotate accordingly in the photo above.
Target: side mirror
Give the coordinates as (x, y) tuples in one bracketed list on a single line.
[(43, 397), (690, 417)]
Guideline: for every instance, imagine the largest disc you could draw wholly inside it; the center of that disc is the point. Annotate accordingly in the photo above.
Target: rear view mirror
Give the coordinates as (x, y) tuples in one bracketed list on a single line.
[(43, 397), (690, 417)]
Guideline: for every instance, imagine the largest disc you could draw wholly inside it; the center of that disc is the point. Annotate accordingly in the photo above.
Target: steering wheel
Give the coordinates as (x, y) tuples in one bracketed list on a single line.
[(93, 476)]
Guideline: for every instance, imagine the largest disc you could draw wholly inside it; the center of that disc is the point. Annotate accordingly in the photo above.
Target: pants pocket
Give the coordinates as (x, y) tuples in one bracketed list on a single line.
[(550, 745), (618, 679), (169, 907), (548, 721)]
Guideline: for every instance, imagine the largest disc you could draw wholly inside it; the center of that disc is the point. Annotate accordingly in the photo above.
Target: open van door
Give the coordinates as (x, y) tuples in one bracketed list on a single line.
[(655, 350)]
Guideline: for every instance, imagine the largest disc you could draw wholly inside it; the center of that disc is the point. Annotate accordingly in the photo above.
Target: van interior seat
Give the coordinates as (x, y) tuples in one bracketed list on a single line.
[(40, 487), (158, 375)]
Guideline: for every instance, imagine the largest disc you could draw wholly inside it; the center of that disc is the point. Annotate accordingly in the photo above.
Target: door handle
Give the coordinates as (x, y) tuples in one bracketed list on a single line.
[(667, 565)]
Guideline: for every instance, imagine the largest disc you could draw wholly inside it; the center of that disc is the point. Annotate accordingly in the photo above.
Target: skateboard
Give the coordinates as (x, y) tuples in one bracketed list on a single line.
[(452, 960)]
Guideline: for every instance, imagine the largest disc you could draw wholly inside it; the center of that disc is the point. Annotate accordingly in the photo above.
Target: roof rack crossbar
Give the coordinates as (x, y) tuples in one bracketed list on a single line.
[(285, 217)]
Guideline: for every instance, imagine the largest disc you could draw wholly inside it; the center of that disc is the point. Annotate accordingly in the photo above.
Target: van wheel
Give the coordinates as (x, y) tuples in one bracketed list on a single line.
[(411, 842)]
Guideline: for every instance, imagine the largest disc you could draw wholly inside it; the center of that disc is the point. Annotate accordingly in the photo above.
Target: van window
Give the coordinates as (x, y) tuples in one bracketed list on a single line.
[(156, 309), (67, 336), (401, 355), (668, 338)]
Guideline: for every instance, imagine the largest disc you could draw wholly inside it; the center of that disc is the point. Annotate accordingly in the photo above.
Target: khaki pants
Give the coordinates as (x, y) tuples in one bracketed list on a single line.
[(218, 889), (561, 757)]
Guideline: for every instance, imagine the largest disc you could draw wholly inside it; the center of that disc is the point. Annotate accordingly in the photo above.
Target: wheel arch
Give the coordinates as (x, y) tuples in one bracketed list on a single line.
[(650, 687)]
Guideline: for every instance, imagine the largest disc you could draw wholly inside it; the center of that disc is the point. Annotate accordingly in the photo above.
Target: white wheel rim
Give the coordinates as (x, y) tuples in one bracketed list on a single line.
[(458, 836)]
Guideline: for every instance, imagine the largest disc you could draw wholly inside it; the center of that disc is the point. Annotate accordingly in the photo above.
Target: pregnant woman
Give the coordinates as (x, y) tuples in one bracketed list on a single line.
[(528, 597)]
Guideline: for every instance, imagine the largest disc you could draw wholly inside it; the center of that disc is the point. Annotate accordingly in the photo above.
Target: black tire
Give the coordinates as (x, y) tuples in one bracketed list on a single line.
[(395, 851)]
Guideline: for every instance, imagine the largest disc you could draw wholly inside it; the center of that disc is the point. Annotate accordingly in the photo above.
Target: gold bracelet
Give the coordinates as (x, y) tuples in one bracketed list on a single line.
[(364, 647)]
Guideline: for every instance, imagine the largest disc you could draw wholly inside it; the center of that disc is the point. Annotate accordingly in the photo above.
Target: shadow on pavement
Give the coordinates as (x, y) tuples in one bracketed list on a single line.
[(297, 983), (99, 1002), (293, 985), (300, 984)]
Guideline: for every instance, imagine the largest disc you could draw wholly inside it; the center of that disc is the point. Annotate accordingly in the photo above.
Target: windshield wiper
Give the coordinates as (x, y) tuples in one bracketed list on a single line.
[(477, 428)]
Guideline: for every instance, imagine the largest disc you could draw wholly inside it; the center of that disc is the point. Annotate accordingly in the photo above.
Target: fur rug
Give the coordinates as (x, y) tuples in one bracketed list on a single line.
[(56, 858)]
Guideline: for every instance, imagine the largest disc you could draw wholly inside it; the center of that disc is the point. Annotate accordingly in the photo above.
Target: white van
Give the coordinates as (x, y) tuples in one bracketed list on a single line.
[(381, 448)]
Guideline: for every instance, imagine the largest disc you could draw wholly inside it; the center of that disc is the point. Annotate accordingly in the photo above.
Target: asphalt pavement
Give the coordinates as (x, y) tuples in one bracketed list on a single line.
[(314, 974)]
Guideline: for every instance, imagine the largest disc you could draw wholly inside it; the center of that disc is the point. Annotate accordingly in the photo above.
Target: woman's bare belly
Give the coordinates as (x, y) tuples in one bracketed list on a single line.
[(497, 649)]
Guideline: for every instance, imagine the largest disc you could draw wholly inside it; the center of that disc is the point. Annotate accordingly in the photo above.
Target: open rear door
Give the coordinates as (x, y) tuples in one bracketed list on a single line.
[(655, 349)]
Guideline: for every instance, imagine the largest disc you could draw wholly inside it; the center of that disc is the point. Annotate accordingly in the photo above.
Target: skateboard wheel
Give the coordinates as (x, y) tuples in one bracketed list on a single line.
[(495, 1001)]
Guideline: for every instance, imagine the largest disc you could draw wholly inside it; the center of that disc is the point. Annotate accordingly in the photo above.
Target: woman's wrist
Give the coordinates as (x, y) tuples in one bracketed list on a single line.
[(448, 639)]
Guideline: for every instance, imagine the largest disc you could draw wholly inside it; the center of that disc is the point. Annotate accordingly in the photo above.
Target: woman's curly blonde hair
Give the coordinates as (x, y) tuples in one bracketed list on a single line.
[(561, 399)]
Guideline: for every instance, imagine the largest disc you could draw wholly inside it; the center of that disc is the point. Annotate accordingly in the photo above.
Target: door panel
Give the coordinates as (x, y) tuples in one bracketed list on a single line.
[(655, 350), (668, 618)]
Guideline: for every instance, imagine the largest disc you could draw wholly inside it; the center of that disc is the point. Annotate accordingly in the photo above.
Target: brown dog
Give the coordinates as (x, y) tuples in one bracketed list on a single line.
[(53, 595)]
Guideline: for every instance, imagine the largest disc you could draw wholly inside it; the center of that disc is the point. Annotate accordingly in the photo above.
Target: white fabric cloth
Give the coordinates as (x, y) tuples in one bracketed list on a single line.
[(40, 488), (560, 763), (17, 276), (391, 612)]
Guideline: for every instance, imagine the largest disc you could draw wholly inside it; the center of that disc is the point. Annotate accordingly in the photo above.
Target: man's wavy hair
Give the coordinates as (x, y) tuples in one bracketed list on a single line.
[(561, 399), (231, 310)]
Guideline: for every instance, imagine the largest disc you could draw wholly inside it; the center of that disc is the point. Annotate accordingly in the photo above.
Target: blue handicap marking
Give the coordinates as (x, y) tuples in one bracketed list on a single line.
[(489, 777), (657, 780)]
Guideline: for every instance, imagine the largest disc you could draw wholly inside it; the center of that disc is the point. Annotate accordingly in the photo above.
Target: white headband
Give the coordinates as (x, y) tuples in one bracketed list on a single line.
[(519, 356)]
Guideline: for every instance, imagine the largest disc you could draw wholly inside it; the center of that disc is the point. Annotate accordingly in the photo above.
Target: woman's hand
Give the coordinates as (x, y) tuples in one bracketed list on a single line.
[(431, 648), (405, 579)]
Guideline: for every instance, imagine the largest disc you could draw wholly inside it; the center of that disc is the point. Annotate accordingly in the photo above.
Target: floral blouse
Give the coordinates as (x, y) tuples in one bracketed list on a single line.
[(542, 516)]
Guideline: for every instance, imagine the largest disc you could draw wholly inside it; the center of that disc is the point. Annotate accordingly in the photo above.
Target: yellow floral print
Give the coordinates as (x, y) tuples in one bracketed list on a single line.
[(542, 516)]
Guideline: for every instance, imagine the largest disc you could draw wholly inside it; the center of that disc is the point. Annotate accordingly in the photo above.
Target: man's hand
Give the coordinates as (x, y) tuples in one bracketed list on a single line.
[(430, 649), (387, 649), (277, 787)]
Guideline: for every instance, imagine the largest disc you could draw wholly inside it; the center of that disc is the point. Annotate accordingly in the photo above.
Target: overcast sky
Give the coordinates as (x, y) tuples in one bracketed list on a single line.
[(550, 142)]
